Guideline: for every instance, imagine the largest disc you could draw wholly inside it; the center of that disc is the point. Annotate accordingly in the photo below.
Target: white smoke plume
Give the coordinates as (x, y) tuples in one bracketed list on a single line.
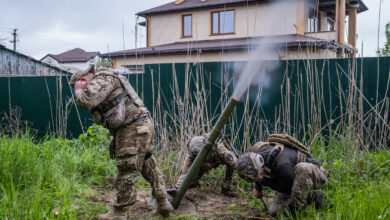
[(264, 58)]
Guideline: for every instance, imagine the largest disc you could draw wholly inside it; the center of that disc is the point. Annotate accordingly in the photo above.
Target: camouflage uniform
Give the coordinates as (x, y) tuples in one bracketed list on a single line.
[(106, 96), (290, 173), (308, 177), (219, 155)]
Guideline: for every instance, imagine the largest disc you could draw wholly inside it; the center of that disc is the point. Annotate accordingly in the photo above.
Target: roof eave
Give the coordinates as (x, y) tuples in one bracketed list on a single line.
[(321, 44), (146, 13)]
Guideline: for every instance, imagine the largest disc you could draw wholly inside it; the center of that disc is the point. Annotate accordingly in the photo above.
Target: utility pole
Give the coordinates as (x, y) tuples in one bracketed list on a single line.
[(123, 35), (136, 32), (379, 23), (14, 34)]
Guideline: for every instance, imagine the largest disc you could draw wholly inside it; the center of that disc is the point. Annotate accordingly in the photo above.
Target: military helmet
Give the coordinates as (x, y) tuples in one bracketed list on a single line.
[(75, 77), (195, 145), (249, 166)]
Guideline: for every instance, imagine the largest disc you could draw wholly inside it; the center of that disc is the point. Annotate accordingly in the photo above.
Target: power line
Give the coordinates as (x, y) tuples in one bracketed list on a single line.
[(54, 40), (25, 33)]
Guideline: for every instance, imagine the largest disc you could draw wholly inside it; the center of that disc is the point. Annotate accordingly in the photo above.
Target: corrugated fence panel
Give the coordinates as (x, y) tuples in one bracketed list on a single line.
[(295, 94)]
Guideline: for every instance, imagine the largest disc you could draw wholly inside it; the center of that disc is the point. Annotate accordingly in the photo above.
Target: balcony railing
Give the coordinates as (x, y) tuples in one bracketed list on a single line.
[(325, 35)]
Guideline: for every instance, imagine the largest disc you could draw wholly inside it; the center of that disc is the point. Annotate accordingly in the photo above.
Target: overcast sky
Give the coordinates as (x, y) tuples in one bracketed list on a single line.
[(50, 26)]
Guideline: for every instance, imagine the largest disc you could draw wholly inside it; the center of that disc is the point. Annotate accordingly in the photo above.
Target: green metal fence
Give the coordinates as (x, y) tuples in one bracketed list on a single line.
[(298, 97)]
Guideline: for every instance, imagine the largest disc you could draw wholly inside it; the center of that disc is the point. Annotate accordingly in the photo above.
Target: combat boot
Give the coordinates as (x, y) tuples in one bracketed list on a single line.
[(164, 207), (113, 215), (229, 193), (315, 197)]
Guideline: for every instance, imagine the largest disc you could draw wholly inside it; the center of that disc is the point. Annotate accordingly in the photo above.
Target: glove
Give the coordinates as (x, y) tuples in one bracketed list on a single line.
[(258, 194), (172, 191)]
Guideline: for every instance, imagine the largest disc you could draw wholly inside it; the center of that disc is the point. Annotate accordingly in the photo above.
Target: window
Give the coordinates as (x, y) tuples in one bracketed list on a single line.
[(135, 68), (313, 20), (222, 22), (330, 26), (312, 24), (186, 26), (91, 60)]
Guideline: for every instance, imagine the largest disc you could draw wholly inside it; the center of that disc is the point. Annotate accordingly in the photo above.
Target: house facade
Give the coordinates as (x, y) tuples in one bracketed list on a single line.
[(72, 60), (228, 30)]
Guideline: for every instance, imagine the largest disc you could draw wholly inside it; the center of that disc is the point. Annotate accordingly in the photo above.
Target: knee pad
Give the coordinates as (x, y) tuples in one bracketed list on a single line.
[(127, 179), (127, 164)]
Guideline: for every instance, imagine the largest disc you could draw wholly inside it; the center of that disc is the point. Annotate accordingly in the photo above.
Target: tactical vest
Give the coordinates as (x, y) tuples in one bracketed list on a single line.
[(280, 141), (113, 113)]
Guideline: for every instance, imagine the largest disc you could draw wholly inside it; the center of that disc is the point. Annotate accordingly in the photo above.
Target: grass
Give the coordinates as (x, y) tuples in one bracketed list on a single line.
[(359, 188), (51, 178), (55, 178)]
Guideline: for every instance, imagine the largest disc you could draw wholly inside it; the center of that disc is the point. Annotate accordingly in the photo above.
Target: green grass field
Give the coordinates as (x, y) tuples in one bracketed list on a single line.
[(55, 178)]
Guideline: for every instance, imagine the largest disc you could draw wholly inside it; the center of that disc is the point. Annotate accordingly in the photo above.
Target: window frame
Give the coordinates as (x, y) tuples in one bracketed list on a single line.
[(313, 24), (182, 25), (219, 18), (331, 22)]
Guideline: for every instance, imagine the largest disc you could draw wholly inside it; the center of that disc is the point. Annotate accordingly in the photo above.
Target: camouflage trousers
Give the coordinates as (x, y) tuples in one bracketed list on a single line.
[(133, 156), (307, 177), (226, 184)]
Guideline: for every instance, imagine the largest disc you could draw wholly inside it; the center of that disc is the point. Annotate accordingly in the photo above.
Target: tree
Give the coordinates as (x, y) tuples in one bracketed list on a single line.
[(385, 51), (103, 63)]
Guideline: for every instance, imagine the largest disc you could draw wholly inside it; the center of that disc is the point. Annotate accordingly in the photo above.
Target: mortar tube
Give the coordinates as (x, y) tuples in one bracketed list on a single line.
[(207, 147)]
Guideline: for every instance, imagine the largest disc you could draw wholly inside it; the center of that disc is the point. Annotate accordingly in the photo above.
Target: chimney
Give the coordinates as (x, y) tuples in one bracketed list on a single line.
[(178, 2)]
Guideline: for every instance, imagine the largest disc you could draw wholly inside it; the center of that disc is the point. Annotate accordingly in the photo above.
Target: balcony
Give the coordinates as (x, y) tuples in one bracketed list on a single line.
[(325, 35)]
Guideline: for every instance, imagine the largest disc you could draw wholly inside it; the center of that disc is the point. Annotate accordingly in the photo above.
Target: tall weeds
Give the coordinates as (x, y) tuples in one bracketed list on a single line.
[(309, 107)]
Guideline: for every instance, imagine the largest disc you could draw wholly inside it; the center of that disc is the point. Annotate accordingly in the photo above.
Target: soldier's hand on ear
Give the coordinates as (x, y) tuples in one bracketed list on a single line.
[(79, 86)]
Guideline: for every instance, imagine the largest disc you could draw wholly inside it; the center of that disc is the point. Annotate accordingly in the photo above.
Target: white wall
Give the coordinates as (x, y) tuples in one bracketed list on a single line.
[(253, 20), (49, 60), (74, 66)]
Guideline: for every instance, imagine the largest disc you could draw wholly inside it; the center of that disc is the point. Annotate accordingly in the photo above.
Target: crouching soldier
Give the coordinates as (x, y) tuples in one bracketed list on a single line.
[(286, 166), (219, 155), (114, 103)]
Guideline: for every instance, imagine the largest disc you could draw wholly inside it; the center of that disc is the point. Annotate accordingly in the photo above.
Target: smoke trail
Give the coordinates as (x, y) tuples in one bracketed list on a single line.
[(256, 72)]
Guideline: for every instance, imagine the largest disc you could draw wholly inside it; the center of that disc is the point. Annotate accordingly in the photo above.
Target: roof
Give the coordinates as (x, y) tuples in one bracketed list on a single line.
[(2, 47), (330, 5), (75, 55), (199, 4), (191, 4), (292, 40)]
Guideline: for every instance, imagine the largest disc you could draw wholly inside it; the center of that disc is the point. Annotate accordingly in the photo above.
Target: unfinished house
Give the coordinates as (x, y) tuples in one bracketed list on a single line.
[(228, 30), (72, 60)]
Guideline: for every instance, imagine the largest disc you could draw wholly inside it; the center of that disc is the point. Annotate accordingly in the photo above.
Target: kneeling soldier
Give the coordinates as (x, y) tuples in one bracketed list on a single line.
[(219, 155), (286, 166)]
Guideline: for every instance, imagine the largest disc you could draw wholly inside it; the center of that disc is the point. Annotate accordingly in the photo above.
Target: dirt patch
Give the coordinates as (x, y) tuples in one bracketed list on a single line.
[(194, 203)]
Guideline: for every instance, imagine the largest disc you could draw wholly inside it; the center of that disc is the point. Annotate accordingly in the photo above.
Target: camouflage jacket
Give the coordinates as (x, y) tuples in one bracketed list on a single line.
[(102, 90)]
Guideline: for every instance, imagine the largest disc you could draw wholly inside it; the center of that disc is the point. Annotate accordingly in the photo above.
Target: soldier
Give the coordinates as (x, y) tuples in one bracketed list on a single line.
[(286, 166), (219, 155), (114, 103)]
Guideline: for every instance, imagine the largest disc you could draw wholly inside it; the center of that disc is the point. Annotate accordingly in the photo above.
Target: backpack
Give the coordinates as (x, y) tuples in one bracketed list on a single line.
[(280, 141)]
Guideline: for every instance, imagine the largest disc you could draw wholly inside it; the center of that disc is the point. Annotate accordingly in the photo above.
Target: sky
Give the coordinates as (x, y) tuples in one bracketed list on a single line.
[(52, 26)]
